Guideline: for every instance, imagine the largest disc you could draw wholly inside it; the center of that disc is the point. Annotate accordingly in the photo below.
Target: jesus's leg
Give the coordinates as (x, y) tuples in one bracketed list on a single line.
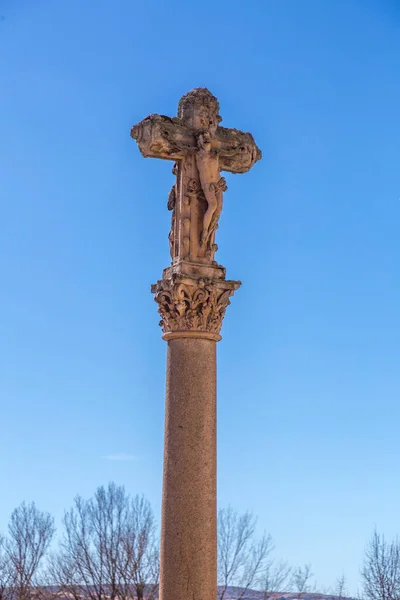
[(212, 204)]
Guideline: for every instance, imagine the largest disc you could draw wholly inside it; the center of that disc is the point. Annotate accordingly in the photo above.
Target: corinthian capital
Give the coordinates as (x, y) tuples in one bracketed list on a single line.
[(192, 307)]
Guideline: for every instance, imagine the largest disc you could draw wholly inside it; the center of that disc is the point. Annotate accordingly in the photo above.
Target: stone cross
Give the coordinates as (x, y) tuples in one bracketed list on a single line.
[(192, 297), (201, 149)]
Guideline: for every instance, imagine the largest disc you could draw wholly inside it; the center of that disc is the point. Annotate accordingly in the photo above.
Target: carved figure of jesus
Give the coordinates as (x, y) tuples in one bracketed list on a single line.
[(213, 185)]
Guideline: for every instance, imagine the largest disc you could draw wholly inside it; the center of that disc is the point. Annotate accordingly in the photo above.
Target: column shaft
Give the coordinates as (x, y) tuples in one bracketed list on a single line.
[(188, 533)]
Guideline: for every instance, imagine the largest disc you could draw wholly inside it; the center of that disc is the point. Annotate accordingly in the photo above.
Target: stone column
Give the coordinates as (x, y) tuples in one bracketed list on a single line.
[(192, 309), (188, 542)]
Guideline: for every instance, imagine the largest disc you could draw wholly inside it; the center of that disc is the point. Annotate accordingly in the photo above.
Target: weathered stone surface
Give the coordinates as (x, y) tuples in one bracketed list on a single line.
[(189, 529)]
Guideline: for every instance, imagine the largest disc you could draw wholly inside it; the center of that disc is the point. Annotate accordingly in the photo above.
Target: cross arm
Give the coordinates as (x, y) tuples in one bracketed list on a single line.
[(159, 136), (237, 150)]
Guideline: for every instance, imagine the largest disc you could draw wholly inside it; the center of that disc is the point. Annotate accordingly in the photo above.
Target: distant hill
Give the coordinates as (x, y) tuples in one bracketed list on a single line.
[(233, 593)]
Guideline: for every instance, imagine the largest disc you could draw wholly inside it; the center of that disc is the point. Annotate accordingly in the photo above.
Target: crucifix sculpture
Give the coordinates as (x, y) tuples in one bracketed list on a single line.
[(192, 297)]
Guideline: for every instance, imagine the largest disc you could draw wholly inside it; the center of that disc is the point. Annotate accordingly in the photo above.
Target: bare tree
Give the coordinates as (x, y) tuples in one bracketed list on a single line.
[(62, 575), (91, 547), (140, 563), (241, 558), (381, 569), (108, 547), (340, 588), (275, 578), (301, 578), (30, 533), (6, 572)]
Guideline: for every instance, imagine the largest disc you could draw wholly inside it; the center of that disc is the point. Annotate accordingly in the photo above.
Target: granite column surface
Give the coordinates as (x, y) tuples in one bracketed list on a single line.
[(189, 536)]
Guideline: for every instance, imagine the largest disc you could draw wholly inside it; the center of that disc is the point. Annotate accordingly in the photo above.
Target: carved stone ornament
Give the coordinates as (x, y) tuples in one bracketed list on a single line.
[(192, 307)]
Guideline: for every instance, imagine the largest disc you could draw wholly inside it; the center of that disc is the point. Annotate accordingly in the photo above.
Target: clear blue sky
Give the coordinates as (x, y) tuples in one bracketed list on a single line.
[(309, 378)]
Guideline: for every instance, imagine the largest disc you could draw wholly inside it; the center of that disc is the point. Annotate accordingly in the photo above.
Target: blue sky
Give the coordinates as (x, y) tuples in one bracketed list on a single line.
[(309, 379)]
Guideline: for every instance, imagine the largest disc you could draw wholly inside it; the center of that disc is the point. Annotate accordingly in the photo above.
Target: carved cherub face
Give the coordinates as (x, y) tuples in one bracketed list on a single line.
[(199, 109)]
